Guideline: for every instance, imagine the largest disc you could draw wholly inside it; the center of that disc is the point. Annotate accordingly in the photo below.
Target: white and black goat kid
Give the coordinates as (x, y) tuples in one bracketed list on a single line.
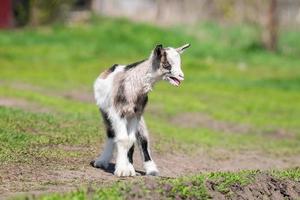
[(121, 93)]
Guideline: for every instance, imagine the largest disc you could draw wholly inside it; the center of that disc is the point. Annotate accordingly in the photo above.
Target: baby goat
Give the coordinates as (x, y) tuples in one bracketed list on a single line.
[(121, 92)]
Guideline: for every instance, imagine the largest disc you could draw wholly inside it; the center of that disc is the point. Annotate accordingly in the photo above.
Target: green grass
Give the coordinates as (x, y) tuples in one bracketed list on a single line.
[(292, 174), (26, 136), (225, 179)]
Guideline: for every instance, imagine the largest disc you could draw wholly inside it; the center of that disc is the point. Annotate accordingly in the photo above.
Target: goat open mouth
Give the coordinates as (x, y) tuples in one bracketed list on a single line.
[(174, 81)]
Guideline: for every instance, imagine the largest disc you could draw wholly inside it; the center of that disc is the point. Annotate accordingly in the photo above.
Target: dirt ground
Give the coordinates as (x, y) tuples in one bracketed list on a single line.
[(194, 120)]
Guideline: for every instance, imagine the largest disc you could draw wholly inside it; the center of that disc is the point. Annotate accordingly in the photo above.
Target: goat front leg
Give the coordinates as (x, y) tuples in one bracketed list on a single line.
[(123, 142), (132, 126), (143, 143)]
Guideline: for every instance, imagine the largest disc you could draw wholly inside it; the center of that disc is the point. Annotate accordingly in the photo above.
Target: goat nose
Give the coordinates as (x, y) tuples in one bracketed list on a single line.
[(181, 76)]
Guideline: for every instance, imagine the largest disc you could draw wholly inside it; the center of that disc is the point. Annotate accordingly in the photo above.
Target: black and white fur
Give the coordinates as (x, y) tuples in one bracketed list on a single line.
[(121, 94)]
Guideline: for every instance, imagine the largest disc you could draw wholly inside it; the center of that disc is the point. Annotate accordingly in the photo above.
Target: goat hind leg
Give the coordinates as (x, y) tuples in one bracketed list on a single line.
[(130, 154), (107, 154), (143, 143)]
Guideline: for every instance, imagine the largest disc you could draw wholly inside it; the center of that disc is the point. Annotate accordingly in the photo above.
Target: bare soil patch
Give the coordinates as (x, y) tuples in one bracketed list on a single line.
[(201, 120), (79, 95), (10, 102), (23, 104), (196, 120)]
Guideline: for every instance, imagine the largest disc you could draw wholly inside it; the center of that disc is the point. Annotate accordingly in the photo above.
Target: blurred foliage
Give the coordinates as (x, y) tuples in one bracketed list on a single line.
[(21, 10), (43, 12)]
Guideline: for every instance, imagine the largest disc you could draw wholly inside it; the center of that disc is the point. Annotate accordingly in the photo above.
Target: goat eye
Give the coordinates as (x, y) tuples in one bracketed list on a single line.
[(167, 66)]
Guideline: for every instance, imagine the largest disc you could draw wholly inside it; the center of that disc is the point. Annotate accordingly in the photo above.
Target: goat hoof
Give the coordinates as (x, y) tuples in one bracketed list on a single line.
[(92, 163), (153, 173), (99, 164), (125, 170), (151, 168)]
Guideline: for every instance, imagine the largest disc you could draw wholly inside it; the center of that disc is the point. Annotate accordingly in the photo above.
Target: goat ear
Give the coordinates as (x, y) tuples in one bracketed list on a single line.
[(158, 50), (182, 48)]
